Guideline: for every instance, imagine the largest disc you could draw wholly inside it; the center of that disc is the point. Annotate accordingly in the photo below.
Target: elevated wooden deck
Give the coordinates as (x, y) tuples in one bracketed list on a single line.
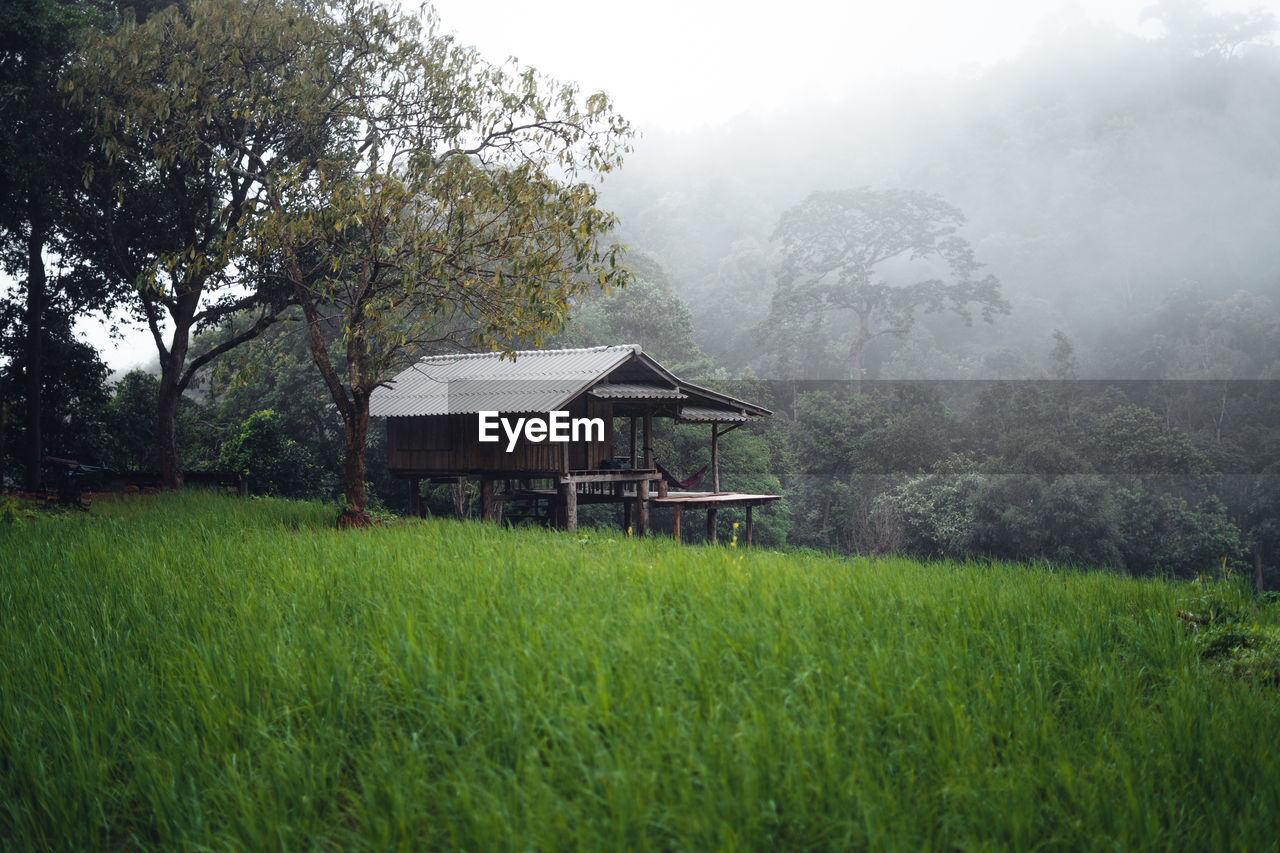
[(713, 498), (711, 501), (583, 493), (639, 490)]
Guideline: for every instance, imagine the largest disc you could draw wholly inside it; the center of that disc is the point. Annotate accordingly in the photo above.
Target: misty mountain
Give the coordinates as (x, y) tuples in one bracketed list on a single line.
[(1105, 178)]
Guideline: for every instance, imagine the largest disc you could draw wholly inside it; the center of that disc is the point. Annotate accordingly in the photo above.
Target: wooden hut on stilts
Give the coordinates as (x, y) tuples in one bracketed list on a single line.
[(537, 431)]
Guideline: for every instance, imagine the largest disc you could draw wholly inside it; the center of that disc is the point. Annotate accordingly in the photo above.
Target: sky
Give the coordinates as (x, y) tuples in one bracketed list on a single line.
[(685, 65), (677, 65)]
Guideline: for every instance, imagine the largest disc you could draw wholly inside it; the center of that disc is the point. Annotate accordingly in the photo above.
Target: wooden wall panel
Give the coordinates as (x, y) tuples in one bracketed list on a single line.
[(450, 444)]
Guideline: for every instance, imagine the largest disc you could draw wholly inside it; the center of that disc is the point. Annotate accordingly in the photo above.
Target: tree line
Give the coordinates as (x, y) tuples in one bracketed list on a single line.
[(298, 201), (217, 163)]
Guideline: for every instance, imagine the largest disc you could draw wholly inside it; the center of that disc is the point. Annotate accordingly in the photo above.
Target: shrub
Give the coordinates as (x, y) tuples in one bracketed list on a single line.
[(274, 464)]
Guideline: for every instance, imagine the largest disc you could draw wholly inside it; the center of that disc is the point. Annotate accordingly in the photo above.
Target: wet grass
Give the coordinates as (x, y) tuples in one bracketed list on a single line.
[(199, 672)]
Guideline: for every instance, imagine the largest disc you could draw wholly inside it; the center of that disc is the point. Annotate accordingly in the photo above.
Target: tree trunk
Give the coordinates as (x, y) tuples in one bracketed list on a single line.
[(171, 388), (488, 506), (170, 397), (856, 352), (353, 407), (356, 430), (1257, 566), (826, 524), (33, 440)]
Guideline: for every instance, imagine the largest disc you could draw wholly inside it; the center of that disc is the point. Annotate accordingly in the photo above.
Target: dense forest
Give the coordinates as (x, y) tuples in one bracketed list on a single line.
[(1053, 335)]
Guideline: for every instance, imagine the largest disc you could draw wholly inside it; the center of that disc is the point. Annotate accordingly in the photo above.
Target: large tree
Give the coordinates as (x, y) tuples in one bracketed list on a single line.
[(41, 150), (384, 178), (878, 258), (199, 109), (454, 209)]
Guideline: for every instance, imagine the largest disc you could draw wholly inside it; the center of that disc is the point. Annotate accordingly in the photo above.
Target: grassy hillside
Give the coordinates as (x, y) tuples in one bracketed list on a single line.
[(201, 672)]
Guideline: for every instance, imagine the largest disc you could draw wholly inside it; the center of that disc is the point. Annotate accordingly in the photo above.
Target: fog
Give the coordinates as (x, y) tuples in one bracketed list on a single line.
[(677, 66), (919, 191), (1116, 163), (1121, 184)]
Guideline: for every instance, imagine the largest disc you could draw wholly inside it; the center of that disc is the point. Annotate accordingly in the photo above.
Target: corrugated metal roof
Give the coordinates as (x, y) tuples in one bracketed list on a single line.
[(701, 414), (705, 397), (635, 391), (535, 381), (538, 381)]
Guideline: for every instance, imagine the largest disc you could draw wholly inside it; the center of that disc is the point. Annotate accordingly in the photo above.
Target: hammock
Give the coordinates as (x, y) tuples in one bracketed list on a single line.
[(680, 484)]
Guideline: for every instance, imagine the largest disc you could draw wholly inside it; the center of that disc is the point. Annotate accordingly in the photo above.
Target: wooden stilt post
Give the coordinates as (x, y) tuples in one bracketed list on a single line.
[(711, 525), (486, 500), (648, 441), (415, 498), (642, 507), (626, 515), (633, 442), (569, 503), (715, 458), (747, 541), (675, 522), (458, 490)]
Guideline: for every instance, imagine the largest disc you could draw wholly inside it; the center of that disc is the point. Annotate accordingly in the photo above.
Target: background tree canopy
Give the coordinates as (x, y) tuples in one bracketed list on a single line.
[(299, 198), (347, 158), (879, 257)]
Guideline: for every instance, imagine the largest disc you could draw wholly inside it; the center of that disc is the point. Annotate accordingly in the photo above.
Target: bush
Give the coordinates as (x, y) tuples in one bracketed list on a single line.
[(937, 510), (1065, 519), (1164, 533), (275, 465), (1234, 632)]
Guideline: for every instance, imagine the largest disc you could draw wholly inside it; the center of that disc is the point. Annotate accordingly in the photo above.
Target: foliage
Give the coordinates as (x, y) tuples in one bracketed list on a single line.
[(1068, 519), (937, 509), (196, 109), (647, 312), (274, 463), (129, 427), (1192, 30), (199, 671), (41, 152), (131, 422), (1236, 632), (11, 508), (1136, 441), (274, 371), (1070, 473), (849, 448), (72, 389), (1164, 534), (879, 258)]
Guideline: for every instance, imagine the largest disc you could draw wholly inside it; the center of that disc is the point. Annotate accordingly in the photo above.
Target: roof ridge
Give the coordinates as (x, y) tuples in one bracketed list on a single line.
[(529, 352)]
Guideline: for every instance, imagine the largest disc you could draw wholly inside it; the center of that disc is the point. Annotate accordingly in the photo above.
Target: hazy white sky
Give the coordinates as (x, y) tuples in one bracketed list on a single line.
[(684, 64), (680, 64)]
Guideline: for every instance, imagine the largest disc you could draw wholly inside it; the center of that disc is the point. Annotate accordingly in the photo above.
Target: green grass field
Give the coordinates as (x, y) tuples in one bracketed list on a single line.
[(196, 672)]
